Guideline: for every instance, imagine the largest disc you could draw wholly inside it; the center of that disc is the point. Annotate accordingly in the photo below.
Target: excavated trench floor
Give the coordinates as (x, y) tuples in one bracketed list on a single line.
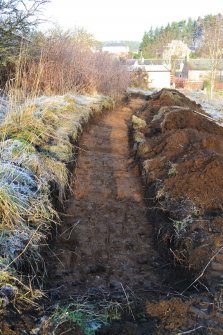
[(105, 241)]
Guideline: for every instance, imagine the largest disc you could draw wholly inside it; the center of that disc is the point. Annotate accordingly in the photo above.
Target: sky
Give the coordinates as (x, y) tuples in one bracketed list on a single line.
[(125, 20)]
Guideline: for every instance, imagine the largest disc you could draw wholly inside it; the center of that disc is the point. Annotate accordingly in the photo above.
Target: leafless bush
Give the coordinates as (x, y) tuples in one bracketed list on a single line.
[(112, 76), (63, 64), (139, 78)]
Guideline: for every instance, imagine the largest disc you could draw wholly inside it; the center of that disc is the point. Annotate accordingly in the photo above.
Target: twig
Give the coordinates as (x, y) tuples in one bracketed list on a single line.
[(203, 271), (202, 284), (71, 230), (68, 250), (66, 331), (128, 301), (57, 326), (206, 116), (55, 255), (177, 258), (79, 148), (190, 331)]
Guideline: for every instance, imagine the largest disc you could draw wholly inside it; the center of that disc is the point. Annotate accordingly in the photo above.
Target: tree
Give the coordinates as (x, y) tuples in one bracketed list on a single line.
[(213, 44), (146, 40), (19, 15), (197, 34), (17, 19), (155, 40)]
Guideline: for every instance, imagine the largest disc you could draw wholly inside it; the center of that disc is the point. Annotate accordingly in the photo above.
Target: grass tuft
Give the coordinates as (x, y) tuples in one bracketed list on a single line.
[(88, 316)]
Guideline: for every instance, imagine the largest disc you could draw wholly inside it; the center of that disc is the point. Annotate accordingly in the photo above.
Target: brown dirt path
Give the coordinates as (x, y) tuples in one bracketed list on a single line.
[(105, 242)]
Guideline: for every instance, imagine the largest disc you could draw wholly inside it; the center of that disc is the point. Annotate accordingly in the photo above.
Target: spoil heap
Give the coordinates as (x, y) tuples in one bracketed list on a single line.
[(180, 150)]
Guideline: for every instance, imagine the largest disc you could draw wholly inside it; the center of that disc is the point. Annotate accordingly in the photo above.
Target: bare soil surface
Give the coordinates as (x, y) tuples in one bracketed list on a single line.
[(105, 240), (104, 246)]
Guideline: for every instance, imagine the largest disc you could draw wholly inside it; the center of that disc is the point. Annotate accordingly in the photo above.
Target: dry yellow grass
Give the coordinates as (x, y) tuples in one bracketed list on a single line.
[(36, 145)]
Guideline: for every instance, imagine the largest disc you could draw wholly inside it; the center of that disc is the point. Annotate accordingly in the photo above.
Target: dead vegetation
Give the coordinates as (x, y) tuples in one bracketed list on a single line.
[(139, 79), (36, 147), (62, 61)]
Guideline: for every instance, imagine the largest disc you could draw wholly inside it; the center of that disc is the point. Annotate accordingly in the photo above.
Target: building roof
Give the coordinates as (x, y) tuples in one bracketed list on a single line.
[(148, 65), (149, 62), (156, 68), (130, 62), (202, 64), (114, 44), (152, 62)]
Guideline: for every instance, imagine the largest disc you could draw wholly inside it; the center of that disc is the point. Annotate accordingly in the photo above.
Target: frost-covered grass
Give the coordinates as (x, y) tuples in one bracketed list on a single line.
[(36, 144), (87, 315), (214, 107), (135, 90), (3, 107)]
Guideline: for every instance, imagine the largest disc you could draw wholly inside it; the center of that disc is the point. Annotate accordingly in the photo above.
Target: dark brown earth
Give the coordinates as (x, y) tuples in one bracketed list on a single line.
[(105, 240), (180, 151), (104, 246), (182, 161)]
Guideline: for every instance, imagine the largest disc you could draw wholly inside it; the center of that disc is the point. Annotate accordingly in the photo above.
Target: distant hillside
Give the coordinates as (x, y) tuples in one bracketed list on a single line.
[(189, 31), (133, 45)]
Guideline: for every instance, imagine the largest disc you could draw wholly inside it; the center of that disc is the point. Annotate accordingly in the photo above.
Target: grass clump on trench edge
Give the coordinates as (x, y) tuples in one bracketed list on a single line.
[(82, 315), (36, 145)]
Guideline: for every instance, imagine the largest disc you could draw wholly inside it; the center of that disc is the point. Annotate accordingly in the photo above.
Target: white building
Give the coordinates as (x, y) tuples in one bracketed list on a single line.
[(159, 75), (116, 48), (200, 69)]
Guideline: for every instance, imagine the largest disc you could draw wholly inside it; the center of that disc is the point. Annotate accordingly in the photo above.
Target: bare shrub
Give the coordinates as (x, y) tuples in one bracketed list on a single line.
[(139, 78), (60, 64)]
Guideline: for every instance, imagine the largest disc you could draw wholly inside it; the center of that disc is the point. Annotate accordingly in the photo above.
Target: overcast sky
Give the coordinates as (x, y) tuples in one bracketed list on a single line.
[(126, 20)]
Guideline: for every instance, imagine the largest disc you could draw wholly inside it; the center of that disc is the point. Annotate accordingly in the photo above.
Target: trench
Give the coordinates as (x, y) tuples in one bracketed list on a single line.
[(104, 246), (104, 243)]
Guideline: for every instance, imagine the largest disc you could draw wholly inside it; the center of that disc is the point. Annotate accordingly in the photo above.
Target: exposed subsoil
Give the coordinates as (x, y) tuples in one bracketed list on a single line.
[(104, 244)]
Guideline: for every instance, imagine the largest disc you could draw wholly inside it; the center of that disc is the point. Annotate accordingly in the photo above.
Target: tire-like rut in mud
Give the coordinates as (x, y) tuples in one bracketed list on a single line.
[(105, 239)]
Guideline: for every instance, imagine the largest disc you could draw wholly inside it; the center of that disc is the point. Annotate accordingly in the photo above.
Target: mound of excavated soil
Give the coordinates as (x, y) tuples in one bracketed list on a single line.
[(181, 155)]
